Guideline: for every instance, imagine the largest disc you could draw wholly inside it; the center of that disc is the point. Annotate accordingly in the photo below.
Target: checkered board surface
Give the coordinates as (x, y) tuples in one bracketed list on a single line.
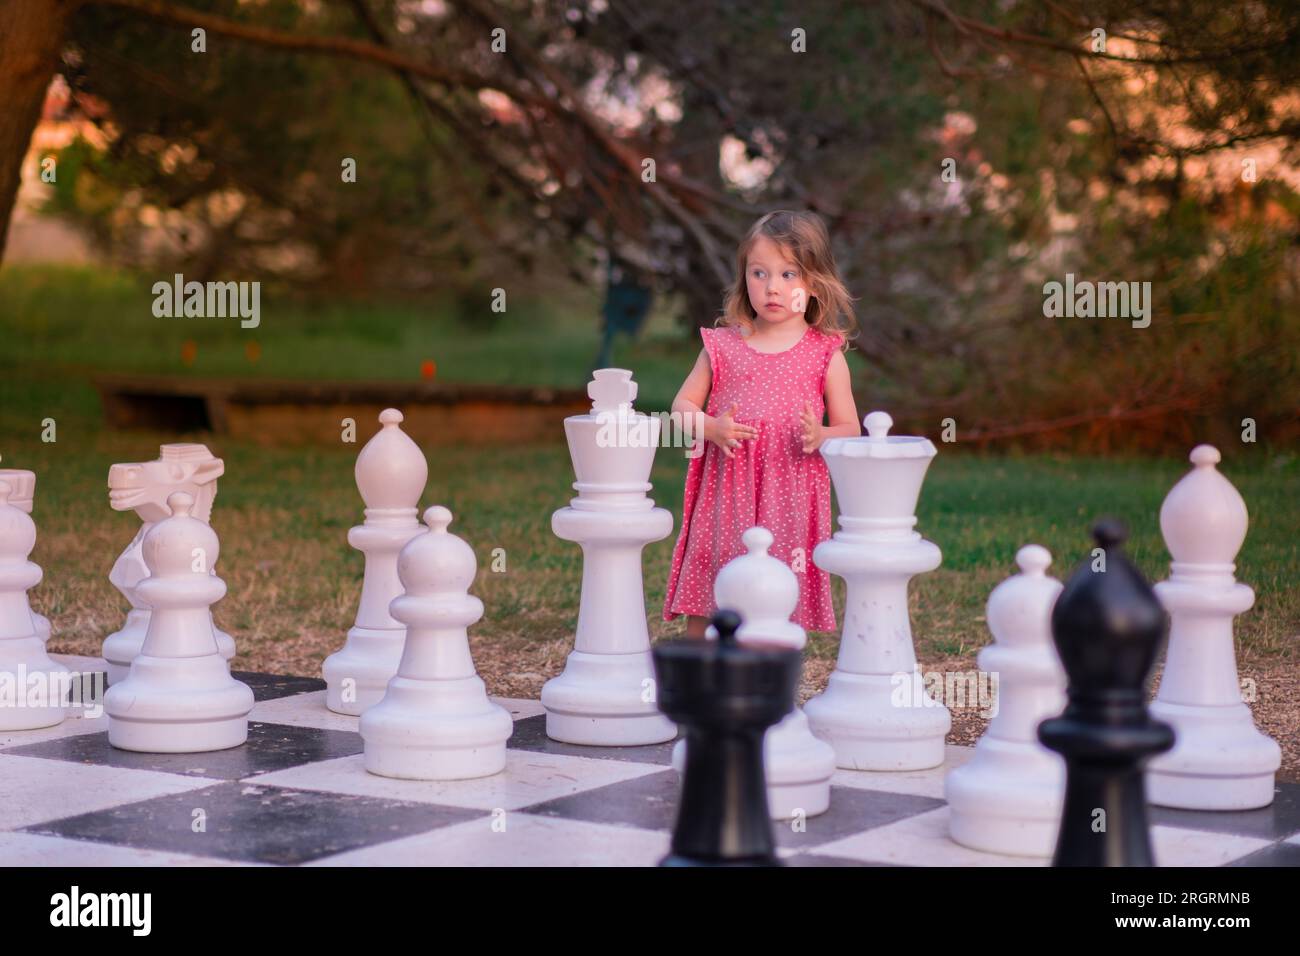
[(297, 794)]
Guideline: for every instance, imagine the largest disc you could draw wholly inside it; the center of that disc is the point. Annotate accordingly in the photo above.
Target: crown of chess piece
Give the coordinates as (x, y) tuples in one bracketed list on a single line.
[(726, 695), (37, 686), (877, 479), (436, 722), (144, 487), (600, 698), (1220, 760), (391, 472), (22, 495), (1108, 629), (764, 591), (1007, 798), (178, 696)]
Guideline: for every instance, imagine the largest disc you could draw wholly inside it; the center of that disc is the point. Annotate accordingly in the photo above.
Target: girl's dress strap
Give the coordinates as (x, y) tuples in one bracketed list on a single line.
[(713, 346)]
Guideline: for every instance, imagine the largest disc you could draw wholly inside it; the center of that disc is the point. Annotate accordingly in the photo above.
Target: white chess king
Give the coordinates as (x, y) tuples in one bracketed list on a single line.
[(179, 696), (764, 592), (33, 687), (875, 710), (390, 472), (22, 495), (1220, 760), (606, 694), (1007, 798), (436, 722)]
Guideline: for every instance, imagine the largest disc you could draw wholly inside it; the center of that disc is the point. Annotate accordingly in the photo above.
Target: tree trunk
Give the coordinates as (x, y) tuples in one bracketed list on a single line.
[(31, 36)]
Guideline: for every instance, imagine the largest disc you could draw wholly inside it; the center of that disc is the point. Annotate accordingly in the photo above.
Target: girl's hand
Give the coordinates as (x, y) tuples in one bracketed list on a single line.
[(727, 433), (813, 432)]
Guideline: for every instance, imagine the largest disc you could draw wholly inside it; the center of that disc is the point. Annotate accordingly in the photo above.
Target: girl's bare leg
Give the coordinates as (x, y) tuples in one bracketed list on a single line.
[(696, 625)]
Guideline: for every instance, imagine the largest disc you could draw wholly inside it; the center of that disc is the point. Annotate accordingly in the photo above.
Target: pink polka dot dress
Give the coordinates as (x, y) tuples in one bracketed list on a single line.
[(769, 481)]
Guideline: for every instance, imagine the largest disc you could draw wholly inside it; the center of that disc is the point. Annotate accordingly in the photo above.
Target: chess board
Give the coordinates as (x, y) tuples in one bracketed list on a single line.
[(297, 794)]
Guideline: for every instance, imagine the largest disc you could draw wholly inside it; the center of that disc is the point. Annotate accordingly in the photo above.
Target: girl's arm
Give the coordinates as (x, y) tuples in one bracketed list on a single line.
[(840, 407)]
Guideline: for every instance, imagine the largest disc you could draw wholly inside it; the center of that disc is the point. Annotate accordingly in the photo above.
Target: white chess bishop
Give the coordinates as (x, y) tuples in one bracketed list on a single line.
[(178, 696), (877, 480), (144, 487), (436, 722), (764, 592), (391, 472), (33, 687), (22, 495), (1007, 799), (1220, 760), (605, 696)]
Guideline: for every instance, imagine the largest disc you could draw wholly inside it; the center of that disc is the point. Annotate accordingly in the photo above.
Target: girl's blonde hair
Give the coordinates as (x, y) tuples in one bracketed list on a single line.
[(803, 237)]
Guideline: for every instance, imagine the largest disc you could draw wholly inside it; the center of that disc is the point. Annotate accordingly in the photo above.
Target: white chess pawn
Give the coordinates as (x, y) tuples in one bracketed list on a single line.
[(179, 696), (390, 472), (22, 494), (33, 688), (1007, 799), (436, 722), (764, 592), (1220, 760), (144, 487)]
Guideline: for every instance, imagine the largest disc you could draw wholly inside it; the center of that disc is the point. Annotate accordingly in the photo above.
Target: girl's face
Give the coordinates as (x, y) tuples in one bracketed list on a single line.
[(775, 282)]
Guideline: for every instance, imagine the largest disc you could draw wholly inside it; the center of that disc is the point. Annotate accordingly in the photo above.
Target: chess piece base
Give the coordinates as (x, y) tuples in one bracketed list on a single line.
[(20, 660), (369, 658), (1007, 799), (178, 705), (605, 700), (436, 730), (858, 717), (1220, 760)]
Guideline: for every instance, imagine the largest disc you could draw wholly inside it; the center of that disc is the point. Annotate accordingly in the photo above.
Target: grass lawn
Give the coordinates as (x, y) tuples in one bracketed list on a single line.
[(283, 514)]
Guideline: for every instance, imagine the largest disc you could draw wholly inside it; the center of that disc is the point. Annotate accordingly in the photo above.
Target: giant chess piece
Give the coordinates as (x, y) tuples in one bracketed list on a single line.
[(1220, 760), (144, 487), (436, 722), (391, 472), (726, 695), (179, 696), (1007, 799), (1108, 628), (877, 481), (33, 688), (22, 495), (764, 591), (605, 696)]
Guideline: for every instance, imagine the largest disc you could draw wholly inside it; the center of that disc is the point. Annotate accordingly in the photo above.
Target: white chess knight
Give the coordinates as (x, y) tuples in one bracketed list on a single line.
[(22, 494), (436, 722), (1220, 760), (144, 487), (1007, 799), (179, 696), (764, 592), (391, 472), (877, 481), (605, 696), (33, 687)]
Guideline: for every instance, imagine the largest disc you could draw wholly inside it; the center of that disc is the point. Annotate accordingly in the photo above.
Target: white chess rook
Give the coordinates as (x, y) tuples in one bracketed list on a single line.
[(605, 696), (144, 487), (390, 473), (37, 687), (178, 696), (877, 481), (1007, 798), (1220, 760), (22, 494), (764, 592), (436, 722)]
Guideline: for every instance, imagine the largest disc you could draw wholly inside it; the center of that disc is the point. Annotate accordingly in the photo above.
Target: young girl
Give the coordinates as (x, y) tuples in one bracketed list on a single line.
[(769, 372)]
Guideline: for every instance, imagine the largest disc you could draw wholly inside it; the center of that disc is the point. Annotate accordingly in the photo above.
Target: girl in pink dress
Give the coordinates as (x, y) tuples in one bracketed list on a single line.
[(767, 375)]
